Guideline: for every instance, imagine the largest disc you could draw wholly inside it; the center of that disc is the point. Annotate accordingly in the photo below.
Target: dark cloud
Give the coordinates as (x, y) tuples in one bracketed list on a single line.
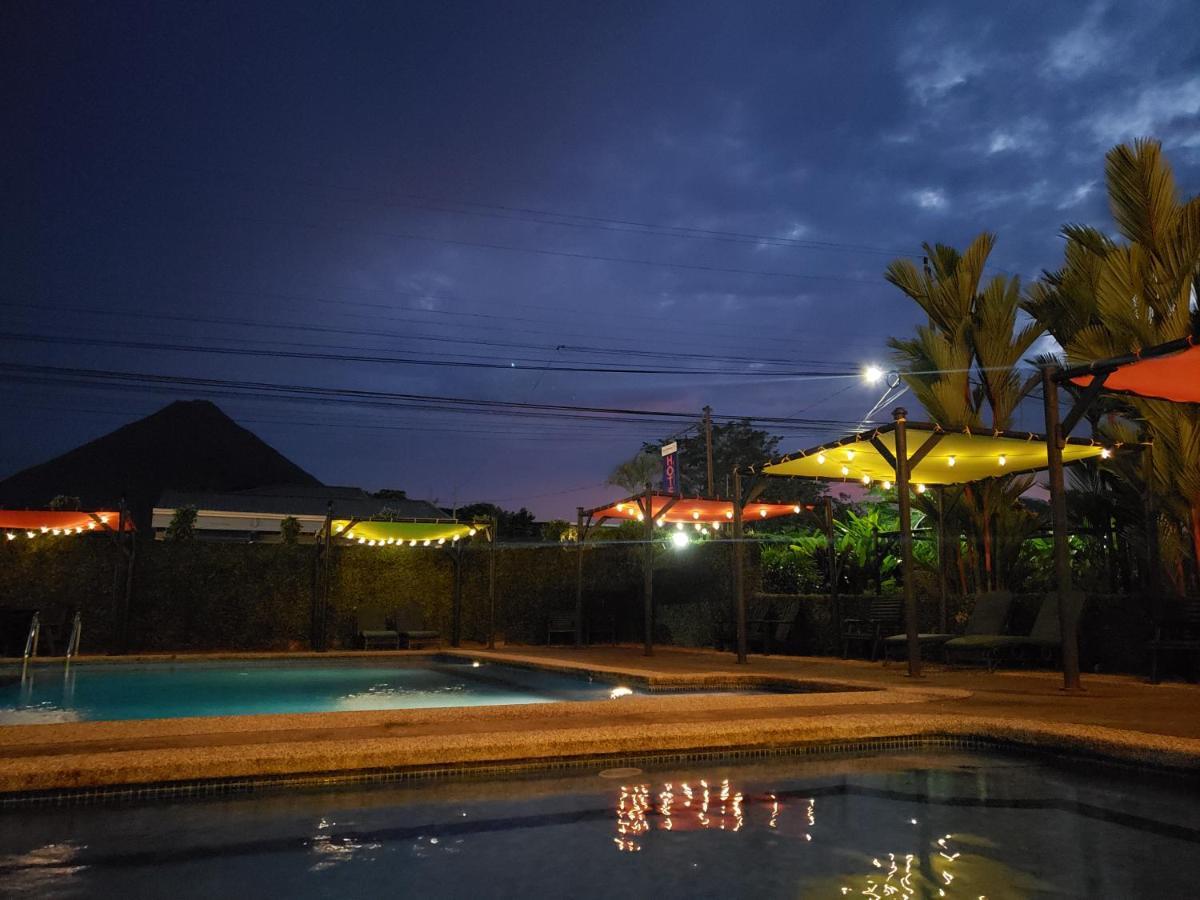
[(388, 175)]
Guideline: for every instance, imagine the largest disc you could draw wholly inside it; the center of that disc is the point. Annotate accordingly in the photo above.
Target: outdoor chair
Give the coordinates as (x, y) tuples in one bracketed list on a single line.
[(768, 634), (411, 629), (561, 626), (374, 631), (988, 617), (1179, 634), (883, 617), (1042, 642)]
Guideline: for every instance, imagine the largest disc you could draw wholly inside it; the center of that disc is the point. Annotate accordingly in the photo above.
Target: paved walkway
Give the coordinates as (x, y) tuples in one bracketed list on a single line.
[(1116, 716)]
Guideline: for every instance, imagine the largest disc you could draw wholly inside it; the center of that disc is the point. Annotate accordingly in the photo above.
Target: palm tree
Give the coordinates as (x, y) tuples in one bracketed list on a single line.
[(962, 367), (1112, 297)]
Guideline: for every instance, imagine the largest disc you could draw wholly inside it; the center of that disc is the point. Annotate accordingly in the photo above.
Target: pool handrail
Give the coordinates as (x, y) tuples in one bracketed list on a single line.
[(31, 643)]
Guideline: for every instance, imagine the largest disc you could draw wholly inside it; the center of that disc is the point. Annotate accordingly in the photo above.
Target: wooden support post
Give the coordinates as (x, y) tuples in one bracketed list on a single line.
[(835, 600), (492, 535), (1153, 559), (941, 558), (579, 576), (456, 598), (648, 569), (1067, 619), (739, 587), (900, 414)]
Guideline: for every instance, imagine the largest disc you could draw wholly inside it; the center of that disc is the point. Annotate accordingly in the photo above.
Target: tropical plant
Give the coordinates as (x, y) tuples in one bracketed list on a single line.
[(962, 366), (289, 529), (183, 525), (1115, 296), (636, 472)]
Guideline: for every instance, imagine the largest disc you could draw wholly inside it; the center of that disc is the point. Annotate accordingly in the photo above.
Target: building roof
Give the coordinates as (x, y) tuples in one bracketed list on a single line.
[(301, 500)]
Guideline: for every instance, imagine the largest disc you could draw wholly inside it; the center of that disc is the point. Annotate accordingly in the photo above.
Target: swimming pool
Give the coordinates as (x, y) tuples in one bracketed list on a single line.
[(906, 825), (111, 691)]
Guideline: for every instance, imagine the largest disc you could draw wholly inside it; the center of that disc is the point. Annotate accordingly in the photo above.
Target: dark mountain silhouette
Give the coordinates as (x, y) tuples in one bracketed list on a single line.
[(190, 445)]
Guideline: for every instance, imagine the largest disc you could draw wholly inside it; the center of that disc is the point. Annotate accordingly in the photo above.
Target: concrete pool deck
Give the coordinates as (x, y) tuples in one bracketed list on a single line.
[(1118, 717)]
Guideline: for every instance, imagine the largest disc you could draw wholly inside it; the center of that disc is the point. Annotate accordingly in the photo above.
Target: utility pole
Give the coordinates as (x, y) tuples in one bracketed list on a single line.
[(648, 587), (579, 576), (739, 587), (708, 447)]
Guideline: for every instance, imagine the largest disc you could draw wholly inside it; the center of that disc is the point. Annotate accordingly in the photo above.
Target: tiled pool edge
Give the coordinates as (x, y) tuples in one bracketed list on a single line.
[(1035, 746)]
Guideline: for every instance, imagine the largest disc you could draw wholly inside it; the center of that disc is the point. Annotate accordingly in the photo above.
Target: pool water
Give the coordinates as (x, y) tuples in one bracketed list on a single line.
[(916, 825), (231, 688)]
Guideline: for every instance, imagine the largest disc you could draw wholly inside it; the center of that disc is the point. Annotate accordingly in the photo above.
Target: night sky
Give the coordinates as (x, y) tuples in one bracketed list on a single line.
[(687, 186)]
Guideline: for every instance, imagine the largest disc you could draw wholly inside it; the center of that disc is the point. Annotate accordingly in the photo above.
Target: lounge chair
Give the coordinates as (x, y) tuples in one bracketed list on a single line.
[(374, 630), (1043, 640), (410, 627), (769, 634), (988, 617), (561, 626), (882, 617), (1178, 633)]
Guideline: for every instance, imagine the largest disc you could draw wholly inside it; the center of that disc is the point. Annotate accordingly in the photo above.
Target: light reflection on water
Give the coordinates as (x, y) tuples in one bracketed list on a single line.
[(889, 828)]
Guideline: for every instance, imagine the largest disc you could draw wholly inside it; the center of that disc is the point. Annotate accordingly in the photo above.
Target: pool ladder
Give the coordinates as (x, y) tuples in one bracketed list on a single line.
[(31, 644), (73, 643)]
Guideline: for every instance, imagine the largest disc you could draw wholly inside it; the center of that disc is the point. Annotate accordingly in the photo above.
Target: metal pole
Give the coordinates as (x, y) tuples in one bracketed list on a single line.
[(492, 535), (941, 558), (835, 601), (130, 561), (708, 447), (1058, 510), (739, 592), (904, 501), (579, 576), (648, 564)]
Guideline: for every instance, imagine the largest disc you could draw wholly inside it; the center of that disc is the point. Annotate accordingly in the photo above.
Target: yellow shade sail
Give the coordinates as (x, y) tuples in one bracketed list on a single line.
[(397, 533), (956, 458)]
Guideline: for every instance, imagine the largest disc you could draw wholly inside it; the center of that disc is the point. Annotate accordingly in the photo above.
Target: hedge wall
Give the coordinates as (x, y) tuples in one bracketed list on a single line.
[(212, 596)]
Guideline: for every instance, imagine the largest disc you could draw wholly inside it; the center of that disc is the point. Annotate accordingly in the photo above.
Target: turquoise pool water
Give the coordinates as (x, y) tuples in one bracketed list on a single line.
[(921, 825), (171, 690)]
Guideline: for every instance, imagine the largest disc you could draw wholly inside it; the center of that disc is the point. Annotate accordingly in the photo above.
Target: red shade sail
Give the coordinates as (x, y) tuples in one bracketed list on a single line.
[(54, 522), (669, 509), (1172, 376)]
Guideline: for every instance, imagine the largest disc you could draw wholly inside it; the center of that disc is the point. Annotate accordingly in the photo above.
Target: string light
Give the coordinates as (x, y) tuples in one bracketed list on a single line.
[(695, 515), (1003, 460), (729, 514), (850, 454), (763, 512), (866, 479), (845, 470), (795, 509), (951, 461), (1105, 453), (887, 485), (471, 532), (821, 458), (920, 488)]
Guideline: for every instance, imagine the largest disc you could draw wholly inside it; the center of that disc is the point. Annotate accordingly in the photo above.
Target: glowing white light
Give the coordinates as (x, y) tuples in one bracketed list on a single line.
[(866, 479), (475, 664), (619, 692), (762, 513), (845, 470), (887, 485), (920, 488), (795, 509), (426, 544), (1105, 453), (872, 374), (821, 458), (729, 514), (951, 461), (1003, 460), (679, 539), (10, 536), (471, 531), (441, 541)]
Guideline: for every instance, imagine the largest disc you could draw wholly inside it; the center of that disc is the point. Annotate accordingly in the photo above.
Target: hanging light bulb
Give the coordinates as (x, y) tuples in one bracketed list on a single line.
[(845, 470), (661, 522), (695, 515), (762, 512), (821, 458), (697, 525), (850, 454), (10, 536), (620, 507), (679, 526), (1105, 453), (716, 525), (1003, 460), (30, 534), (441, 541), (426, 544), (887, 485), (471, 532), (920, 488), (729, 513), (866, 479), (795, 509), (412, 543), (455, 538), (951, 461)]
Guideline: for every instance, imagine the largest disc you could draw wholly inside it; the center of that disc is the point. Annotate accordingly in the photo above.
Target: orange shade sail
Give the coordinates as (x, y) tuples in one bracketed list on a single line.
[(54, 522), (1172, 377), (670, 509)]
